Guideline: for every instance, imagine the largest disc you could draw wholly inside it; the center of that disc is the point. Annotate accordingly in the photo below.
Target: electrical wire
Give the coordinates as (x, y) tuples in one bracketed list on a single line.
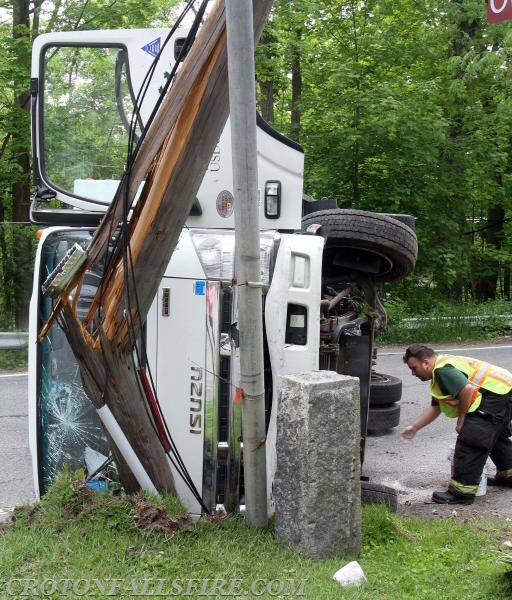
[(109, 460), (135, 141)]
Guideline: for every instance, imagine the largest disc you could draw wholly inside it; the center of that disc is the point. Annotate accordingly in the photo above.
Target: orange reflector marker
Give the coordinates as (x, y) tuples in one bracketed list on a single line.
[(239, 394), (39, 233)]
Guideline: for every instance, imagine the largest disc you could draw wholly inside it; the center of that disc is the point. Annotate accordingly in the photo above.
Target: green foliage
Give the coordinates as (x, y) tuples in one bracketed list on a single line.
[(444, 322), (105, 14), (70, 502), (20, 23), (406, 107), (84, 137), (402, 107), (13, 359)]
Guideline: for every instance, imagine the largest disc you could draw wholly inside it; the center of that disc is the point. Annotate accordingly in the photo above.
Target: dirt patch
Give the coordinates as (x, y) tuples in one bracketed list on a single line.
[(152, 517), (156, 519), (495, 505)]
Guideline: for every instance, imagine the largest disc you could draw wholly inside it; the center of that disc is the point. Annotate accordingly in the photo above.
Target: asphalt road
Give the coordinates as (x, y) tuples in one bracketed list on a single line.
[(16, 487), (417, 468), (414, 469)]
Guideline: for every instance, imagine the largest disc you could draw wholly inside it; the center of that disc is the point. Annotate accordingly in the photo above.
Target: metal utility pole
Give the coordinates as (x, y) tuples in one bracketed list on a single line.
[(242, 103)]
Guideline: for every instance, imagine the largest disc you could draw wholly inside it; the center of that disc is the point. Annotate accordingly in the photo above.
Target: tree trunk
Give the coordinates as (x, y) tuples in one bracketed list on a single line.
[(19, 275), (296, 87), (267, 100), (355, 170), (506, 282), (464, 33), (266, 84), (485, 281)]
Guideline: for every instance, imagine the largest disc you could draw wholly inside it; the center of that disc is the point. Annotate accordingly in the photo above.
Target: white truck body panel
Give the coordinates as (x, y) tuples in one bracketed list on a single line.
[(296, 280), (179, 373)]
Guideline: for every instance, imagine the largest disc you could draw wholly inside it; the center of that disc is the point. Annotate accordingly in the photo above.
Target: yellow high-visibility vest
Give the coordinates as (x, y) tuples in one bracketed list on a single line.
[(479, 373)]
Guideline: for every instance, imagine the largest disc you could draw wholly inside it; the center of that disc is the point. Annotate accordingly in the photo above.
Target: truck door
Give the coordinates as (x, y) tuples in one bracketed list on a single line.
[(292, 321)]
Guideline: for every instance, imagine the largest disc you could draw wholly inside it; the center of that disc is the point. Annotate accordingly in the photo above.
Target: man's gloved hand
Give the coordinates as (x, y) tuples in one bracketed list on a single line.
[(408, 433)]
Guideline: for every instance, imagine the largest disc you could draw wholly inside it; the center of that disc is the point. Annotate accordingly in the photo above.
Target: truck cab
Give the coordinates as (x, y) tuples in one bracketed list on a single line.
[(321, 268)]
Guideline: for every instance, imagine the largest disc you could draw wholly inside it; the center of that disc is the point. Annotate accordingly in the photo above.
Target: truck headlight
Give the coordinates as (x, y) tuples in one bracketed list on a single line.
[(216, 252)]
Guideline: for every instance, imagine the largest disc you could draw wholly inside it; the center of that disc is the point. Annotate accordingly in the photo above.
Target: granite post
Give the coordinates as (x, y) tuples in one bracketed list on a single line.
[(317, 484)]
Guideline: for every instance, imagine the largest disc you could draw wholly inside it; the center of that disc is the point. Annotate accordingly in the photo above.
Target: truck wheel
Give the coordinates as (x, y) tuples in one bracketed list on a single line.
[(376, 493), (383, 418), (316, 205), (408, 220), (384, 389), (363, 242)]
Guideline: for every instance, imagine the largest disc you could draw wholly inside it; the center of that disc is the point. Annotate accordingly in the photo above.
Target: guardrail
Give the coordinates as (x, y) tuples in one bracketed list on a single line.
[(13, 340), (413, 322)]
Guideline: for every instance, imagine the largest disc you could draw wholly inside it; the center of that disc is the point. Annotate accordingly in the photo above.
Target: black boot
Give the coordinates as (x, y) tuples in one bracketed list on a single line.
[(499, 481), (449, 497)]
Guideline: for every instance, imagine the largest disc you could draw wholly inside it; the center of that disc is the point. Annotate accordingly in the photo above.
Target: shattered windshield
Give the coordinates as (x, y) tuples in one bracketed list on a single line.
[(69, 431)]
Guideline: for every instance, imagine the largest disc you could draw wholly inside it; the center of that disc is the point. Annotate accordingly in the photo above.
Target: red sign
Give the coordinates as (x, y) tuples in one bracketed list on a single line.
[(499, 10)]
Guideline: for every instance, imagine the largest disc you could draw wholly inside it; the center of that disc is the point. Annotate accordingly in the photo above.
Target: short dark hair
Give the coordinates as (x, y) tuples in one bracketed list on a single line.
[(419, 351)]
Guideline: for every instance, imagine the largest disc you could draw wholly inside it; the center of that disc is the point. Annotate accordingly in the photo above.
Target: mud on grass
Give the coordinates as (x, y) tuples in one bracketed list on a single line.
[(151, 517), (70, 499)]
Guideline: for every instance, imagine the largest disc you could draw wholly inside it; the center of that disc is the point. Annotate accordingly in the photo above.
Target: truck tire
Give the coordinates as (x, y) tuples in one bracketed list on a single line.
[(384, 389), (316, 205), (383, 418), (361, 242), (376, 493), (408, 220)]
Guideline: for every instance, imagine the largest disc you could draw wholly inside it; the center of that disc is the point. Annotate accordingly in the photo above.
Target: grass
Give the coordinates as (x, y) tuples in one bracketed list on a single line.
[(78, 534), (446, 322), (14, 359)]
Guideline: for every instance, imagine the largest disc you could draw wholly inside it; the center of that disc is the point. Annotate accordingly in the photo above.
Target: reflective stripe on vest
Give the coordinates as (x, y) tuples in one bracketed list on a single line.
[(479, 373)]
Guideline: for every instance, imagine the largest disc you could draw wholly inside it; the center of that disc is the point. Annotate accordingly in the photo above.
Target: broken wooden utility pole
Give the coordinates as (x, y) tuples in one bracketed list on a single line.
[(242, 109), (171, 161)]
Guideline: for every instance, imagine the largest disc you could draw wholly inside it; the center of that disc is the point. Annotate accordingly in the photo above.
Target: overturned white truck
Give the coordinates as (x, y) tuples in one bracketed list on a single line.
[(321, 267)]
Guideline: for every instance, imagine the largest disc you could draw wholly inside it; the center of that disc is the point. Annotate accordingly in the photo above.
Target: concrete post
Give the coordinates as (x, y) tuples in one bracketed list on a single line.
[(317, 485), (242, 104)]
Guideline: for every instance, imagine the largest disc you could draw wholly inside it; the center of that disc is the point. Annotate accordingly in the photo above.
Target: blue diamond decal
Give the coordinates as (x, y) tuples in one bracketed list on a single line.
[(152, 48)]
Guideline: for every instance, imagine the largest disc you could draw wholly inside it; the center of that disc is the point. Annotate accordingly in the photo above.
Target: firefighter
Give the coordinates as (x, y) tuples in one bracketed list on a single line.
[(479, 396)]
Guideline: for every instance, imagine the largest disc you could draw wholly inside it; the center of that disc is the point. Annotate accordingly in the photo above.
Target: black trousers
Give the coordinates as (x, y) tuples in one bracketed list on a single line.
[(485, 433)]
